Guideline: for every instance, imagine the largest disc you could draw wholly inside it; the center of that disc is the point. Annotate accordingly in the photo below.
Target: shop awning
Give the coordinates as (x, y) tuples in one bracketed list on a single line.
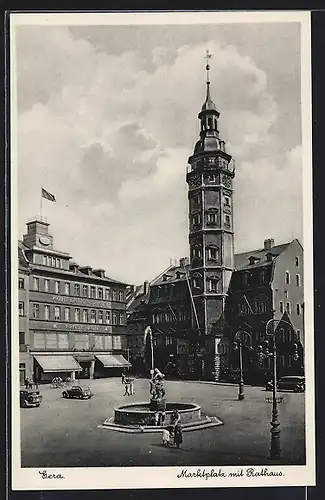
[(58, 363), (110, 361), (121, 359)]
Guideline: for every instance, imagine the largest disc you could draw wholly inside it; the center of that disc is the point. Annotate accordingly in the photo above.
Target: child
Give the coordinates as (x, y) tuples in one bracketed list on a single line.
[(166, 437)]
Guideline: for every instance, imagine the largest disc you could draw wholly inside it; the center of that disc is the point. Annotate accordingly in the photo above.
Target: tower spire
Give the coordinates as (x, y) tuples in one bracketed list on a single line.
[(208, 104), (207, 67)]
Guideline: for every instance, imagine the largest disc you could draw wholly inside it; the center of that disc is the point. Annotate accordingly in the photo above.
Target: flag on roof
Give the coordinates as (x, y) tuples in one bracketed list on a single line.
[(47, 195)]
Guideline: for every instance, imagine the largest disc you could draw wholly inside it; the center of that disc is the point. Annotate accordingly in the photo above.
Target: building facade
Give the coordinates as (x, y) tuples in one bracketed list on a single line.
[(267, 284), (75, 316)]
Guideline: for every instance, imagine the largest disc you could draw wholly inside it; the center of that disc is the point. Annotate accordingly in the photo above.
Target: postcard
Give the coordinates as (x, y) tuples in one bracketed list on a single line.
[(161, 209)]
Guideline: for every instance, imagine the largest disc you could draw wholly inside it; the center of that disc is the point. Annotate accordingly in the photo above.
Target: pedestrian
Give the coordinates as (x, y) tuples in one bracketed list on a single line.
[(26, 383), (166, 437), (175, 421), (127, 387), (30, 384), (131, 386), (123, 378), (162, 416)]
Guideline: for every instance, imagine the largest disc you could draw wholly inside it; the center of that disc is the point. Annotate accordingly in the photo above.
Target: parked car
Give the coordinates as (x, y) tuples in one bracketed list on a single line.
[(290, 382), (76, 391), (29, 398)]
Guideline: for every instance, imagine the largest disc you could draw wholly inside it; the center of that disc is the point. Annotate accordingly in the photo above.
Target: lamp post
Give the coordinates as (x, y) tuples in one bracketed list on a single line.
[(275, 450), (240, 340)]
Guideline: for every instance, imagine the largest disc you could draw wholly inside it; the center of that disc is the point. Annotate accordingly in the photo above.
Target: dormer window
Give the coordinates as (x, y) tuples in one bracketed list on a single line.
[(269, 257), (253, 260)]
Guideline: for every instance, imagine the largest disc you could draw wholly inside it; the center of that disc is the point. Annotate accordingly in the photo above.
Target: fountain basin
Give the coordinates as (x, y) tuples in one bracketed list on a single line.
[(140, 413)]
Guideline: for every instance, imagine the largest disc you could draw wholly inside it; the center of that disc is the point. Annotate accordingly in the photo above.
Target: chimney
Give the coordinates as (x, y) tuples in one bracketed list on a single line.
[(145, 287), (268, 244)]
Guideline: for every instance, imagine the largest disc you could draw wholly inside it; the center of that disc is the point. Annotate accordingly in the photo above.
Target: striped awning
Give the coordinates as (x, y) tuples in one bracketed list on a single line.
[(58, 363), (110, 361), (121, 359)]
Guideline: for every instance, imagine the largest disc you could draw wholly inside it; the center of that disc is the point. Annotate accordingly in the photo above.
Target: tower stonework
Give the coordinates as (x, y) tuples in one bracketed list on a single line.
[(211, 238)]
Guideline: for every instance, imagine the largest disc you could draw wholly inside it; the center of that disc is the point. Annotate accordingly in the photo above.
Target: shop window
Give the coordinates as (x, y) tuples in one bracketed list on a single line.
[(117, 342)]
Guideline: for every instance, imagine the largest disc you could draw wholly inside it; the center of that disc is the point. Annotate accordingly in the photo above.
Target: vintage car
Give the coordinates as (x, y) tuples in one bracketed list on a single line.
[(29, 398), (76, 391), (294, 383)]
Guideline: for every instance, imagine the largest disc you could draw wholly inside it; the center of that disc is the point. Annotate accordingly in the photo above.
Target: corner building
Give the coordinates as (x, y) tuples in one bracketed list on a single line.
[(75, 314)]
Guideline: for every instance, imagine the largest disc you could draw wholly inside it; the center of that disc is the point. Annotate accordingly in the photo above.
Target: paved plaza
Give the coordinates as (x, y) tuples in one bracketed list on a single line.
[(66, 433)]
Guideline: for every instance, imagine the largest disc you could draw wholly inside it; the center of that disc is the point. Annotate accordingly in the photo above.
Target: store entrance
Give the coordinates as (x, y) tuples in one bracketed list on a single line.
[(85, 373)]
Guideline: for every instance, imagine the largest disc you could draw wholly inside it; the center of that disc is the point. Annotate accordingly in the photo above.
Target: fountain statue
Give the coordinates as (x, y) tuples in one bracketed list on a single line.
[(157, 391)]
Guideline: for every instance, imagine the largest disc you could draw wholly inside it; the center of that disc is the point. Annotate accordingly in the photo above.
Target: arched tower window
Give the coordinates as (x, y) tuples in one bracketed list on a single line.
[(260, 304)]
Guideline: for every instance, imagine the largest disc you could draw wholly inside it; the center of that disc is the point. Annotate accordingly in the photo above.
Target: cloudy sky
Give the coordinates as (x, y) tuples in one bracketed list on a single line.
[(107, 118)]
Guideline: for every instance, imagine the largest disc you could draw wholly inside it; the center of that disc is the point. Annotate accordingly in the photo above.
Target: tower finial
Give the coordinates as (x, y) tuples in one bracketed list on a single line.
[(207, 67)]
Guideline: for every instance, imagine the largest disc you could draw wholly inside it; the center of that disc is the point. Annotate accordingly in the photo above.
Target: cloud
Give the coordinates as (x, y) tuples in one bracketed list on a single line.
[(110, 135)]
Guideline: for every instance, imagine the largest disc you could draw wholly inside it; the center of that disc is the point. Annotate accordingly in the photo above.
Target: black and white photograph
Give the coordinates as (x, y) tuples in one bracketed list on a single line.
[(162, 298)]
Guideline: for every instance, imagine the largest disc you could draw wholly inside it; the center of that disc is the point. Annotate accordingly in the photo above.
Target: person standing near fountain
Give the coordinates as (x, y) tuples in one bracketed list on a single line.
[(175, 421)]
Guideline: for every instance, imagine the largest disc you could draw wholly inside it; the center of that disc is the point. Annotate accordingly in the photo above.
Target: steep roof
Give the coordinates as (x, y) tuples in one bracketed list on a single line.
[(242, 259)]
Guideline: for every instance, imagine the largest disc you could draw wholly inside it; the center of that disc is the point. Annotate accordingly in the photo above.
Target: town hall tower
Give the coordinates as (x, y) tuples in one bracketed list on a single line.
[(211, 238)]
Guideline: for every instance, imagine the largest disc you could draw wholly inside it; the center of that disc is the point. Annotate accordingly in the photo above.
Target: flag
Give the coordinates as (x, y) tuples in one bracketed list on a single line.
[(47, 195)]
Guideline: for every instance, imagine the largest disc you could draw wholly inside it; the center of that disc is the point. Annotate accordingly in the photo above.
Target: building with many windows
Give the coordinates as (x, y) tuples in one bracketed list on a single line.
[(268, 284), (72, 318)]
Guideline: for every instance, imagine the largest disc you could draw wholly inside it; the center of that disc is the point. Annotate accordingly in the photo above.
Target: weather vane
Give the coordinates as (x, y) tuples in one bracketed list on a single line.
[(207, 67)]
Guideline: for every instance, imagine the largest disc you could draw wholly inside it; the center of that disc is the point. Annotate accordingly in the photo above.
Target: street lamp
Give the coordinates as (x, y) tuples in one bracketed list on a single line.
[(275, 450), (240, 340)]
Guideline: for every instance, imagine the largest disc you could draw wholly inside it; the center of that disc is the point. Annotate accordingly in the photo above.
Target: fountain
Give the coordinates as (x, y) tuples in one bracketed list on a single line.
[(147, 416)]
